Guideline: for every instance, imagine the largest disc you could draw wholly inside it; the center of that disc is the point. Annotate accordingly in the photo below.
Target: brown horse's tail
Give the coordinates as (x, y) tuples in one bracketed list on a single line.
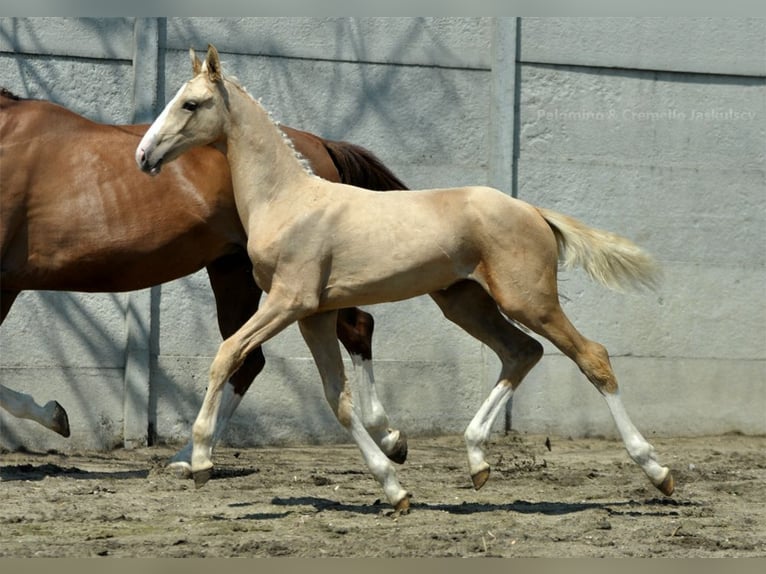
[(359, 167), (608, 258)]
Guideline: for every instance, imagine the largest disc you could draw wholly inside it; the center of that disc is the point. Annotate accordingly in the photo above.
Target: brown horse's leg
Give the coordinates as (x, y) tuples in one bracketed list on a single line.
[(236, 297), (52, 415), (469, 306), (354, 329), (539, 309)]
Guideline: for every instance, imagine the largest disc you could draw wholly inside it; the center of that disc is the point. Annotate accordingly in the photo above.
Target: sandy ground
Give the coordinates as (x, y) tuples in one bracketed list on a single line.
[(581, 498)]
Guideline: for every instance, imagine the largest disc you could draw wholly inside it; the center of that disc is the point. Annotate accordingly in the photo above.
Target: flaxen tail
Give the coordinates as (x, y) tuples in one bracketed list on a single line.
[(608, 258)]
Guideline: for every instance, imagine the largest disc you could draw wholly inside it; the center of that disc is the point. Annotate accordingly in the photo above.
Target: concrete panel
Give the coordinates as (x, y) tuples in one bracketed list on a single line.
[(445, 42), (98, 89), (101, 38), (734, 46), (68, 329), (642, 118)]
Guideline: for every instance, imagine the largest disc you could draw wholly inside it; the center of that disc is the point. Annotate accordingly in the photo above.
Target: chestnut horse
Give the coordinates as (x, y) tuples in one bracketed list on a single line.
[(318, 246), (76, 216)]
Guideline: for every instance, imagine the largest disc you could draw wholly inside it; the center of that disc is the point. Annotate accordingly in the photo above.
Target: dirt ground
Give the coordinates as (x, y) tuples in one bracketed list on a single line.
[(581, 498)]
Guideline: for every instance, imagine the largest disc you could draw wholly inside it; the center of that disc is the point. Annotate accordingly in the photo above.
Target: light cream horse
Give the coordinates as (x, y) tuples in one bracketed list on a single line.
[(317, 246)]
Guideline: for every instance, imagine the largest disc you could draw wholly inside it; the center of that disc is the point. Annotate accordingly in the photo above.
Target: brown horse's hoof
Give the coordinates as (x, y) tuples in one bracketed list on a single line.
[(202, 476), (668, 485), (402, 507), (480, 478), (60, 420), (399, 453)]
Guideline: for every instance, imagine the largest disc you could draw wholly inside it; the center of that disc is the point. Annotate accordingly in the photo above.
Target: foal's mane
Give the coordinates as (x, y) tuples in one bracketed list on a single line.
[(298, 155)]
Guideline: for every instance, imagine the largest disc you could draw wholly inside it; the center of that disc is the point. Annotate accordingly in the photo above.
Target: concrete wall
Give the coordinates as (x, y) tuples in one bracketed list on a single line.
[(654, 128)]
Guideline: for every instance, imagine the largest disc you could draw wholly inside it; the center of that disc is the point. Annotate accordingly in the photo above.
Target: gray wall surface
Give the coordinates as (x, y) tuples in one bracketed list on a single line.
[(652, 128)]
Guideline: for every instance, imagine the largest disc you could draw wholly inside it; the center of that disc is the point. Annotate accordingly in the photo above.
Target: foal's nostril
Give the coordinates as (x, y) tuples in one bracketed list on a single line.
[(141, 158)]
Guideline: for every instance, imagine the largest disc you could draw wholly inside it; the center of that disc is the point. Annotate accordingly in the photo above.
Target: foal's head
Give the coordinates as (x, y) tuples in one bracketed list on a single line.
[(197, 115)]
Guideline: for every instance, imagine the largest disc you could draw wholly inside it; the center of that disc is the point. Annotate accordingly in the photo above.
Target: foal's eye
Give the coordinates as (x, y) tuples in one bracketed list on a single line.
[(190, 106)]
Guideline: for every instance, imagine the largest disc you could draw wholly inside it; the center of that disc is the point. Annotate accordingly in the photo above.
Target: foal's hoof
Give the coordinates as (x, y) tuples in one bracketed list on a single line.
[(180, 468), (60, 419), (403, 506), (398, 453), (668, 485), (202, 476), (480, 478)]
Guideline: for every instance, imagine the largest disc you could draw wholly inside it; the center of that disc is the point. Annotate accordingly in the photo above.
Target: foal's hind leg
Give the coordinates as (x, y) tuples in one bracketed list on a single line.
[(319, 333), (469, 306), (543, 314), (354, 330)]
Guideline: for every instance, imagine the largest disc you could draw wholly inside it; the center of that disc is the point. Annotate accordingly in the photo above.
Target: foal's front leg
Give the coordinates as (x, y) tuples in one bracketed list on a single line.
[(236, 298), (319, 333), (273, 316)]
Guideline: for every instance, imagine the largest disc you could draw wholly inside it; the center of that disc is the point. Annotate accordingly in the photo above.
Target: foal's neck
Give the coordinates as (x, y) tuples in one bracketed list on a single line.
[(264, 165)]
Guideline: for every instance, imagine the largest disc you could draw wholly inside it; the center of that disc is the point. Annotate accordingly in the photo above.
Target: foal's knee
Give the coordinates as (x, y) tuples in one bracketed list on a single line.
[(227, 360)]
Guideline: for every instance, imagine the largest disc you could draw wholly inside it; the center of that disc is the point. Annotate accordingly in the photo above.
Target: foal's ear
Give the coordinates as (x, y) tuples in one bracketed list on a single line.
[(213, 64), (196, 64)]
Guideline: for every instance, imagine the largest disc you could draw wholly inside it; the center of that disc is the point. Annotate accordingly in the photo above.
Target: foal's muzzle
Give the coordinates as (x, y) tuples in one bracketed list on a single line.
[(145, 165)]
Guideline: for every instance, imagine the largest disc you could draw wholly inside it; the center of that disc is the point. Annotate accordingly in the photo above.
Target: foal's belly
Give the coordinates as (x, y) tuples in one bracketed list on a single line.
[(385, 280)]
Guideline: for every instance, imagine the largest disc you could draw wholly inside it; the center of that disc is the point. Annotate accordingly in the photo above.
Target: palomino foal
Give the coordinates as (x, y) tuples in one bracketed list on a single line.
[(318, 246)]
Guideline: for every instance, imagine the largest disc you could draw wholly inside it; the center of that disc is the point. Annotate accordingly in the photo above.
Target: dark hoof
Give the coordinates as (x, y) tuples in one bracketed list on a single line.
[(60, 420), (399, 452), (480, 478), (202, 476), (668, 485)]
